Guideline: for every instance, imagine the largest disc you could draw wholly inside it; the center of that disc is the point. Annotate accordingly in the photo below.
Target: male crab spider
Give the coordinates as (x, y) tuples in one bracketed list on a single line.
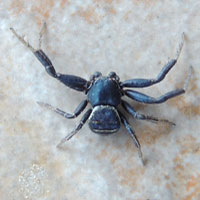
[(104, 93)]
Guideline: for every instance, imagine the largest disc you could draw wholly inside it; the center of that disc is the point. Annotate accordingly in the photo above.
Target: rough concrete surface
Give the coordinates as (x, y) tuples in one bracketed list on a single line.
[(131, 37)]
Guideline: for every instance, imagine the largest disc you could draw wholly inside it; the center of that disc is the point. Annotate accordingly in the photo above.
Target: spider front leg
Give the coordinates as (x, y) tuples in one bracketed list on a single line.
[(143, 98), (140, 83), (74, 82)]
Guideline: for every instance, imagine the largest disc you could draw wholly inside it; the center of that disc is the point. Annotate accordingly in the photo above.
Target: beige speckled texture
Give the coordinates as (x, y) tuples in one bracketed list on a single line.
[(134, 39)]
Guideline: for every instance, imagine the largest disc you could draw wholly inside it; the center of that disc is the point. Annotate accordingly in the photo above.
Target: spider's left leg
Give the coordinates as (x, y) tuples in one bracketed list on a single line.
[(139, 116), (76, 113), (74, 82), (140, 83), (143, 98), (80, 125), (133, 136)]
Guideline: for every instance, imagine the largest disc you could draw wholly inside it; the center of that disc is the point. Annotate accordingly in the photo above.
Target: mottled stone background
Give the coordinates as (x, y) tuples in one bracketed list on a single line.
[(131, 37)]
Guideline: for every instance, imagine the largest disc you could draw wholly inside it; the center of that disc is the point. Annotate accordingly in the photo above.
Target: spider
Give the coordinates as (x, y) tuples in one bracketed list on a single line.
[(105, 93)]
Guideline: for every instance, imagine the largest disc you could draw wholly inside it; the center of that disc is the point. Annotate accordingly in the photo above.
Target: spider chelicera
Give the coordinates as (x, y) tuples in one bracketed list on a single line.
[(104, 93)]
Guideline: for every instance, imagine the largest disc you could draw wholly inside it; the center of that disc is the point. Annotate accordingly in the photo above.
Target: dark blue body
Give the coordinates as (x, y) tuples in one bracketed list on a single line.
[(104, 91), (104, 96)]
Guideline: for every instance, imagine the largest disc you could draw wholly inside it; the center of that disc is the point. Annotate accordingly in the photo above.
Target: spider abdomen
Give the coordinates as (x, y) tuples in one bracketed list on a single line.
[(104, 120)]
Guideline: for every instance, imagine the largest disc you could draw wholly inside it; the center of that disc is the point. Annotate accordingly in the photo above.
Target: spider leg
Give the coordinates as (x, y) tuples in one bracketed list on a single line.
[(76, 113), (143, 98), (80, 125), (74, 82), (42, 31), (140, 83), (139, 116), (133, 136)]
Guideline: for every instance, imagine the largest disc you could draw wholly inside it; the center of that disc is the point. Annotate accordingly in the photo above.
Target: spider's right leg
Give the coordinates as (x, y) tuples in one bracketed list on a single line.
[(74, 82), (143, 98), (140, 83), (140, 116), (133, 136)]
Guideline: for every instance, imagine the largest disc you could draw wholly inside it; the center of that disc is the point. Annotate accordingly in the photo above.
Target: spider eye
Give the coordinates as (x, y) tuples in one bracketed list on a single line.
[(113, 75), (95, 75)]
